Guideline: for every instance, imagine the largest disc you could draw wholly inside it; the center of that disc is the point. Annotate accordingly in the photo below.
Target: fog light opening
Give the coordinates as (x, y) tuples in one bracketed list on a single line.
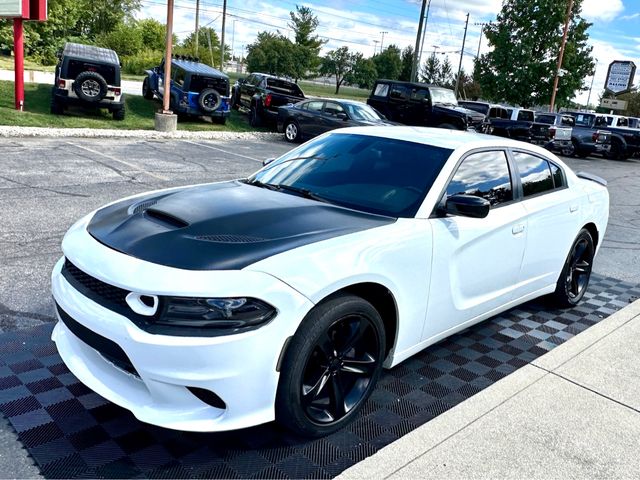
[(208, 397)]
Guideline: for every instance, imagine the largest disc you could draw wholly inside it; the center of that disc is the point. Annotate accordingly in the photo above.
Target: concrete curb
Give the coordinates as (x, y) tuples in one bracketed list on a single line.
[(405, 450), (11, 131)]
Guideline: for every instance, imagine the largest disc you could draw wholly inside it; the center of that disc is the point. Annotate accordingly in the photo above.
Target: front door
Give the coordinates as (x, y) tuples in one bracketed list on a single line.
[(476, 261)]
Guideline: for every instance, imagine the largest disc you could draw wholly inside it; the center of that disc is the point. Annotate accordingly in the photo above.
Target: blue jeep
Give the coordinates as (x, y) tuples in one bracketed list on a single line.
[(196, 89)]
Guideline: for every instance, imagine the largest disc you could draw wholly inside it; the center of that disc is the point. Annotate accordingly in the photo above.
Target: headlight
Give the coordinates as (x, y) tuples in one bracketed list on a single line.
[(241, 313)]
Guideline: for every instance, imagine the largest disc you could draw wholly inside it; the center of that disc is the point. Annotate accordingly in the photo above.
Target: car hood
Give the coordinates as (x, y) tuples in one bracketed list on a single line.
[(476, 116), (222, 226)]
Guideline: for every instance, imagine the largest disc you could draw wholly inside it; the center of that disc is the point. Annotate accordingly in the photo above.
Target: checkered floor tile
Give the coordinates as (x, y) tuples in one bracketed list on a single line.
[(73, 433)]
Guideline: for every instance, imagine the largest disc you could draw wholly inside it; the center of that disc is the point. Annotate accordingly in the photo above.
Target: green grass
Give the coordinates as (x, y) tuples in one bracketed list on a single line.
[(7, 63), (139, 113)]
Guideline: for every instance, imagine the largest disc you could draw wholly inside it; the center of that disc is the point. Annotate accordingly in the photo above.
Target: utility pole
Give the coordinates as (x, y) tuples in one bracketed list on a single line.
[(375, 46), (560, 56), (382, 41), (224, 17), (414, 64), (464, 40), (233, 40), (424, 33), (481, 24), (197, 25), (591, 87)]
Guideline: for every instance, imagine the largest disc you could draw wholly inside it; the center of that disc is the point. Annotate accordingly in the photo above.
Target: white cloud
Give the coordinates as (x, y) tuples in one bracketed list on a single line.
[(630, 17), (599, 10)]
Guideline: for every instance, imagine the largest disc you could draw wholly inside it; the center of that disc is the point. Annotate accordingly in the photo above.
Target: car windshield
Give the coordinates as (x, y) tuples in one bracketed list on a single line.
[(443, 95), (372, 174), (361, 112)]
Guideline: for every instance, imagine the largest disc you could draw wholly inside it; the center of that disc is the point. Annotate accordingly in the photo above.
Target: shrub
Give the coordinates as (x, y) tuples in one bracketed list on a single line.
[(141, 61)]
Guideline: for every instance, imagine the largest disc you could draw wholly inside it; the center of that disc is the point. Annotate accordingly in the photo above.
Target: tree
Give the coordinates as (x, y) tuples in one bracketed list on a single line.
[(526, 40), (407, 64), (153, 33), (339, 64), (307, 45), (99, 17), (364, 72), (388, 63), (633, 103), (437, 72), (125, 39), (210, 57), (272, 53)]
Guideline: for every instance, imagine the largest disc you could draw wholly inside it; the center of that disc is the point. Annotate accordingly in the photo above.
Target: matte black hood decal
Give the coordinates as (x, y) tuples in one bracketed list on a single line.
[(221, 226)]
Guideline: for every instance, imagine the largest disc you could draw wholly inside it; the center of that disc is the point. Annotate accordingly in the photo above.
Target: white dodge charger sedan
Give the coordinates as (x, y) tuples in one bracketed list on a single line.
[(282, 296)]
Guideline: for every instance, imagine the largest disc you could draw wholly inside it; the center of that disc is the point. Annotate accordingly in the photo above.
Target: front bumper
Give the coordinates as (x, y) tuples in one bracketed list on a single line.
[(240, 369)]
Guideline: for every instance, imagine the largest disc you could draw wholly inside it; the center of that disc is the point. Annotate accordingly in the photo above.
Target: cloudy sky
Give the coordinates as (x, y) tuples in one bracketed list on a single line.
[(359, 24)]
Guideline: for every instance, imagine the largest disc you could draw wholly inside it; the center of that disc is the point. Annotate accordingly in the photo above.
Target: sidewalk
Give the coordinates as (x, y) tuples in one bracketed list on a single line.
[(129, 87), (572, 413)]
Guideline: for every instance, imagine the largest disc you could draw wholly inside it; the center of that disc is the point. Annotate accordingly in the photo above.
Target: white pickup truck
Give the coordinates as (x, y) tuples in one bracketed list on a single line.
[(553, 131)]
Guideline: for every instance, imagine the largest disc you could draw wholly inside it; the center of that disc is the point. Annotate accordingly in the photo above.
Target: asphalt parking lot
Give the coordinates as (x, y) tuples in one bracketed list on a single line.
[(47, 184)]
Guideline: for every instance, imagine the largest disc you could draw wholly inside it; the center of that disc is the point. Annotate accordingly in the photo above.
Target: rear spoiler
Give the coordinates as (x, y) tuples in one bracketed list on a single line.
[(592, 177)]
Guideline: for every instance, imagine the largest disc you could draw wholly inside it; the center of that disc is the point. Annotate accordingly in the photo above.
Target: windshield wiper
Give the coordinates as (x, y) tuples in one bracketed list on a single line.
[(258, 183), (304, 192)]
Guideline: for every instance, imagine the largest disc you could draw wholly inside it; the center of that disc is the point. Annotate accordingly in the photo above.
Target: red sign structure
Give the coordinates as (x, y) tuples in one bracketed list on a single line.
[(21, 10)]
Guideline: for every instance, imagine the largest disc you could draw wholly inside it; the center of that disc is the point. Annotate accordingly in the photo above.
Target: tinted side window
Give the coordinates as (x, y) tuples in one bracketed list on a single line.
[(484, 174), (525, 116), (420, 94), (399, 91), (558, 177), (382, 89), (332, 108), (534, 174), (178, 76), (315, 106)]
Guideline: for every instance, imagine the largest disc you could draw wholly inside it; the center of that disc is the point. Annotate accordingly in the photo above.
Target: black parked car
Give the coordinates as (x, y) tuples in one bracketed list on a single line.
[(313, 117), (263, 94), (422, 105), (88, 76)]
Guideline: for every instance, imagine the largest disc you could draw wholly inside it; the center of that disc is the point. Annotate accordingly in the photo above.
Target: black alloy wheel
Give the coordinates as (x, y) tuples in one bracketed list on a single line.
[(209, 100), (331, 366), (574, 279)]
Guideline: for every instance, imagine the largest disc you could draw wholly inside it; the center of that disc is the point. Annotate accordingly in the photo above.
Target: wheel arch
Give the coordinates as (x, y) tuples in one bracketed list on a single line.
[(382, 300), (593, 231)]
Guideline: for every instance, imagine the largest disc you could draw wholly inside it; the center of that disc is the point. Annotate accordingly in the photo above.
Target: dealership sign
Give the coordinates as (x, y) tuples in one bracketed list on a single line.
[(620, 76), (13, 8)]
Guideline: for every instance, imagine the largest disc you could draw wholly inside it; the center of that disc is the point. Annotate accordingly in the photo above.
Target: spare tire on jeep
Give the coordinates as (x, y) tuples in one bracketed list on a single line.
[(209, 100), (90, 86)]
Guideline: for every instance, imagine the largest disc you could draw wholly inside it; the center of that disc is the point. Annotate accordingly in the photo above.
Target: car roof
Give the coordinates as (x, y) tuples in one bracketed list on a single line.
[(437, 137), (91, 53), (197, 67), (337, 100)]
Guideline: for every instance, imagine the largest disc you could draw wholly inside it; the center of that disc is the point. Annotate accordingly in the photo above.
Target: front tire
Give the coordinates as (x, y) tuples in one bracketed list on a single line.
[(574, 279), (292, 132), (331, 366), (254, 117), (147, 93)]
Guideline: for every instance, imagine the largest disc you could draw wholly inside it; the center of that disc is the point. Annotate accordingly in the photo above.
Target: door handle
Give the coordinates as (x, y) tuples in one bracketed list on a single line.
[(573, 208), (517, 229)]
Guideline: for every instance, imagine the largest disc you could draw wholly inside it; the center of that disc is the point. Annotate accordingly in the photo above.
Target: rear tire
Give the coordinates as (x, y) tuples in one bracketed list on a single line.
[(292, 132), (331, 366), (254, 117), (90, 87), (575, 275), (119, 114)]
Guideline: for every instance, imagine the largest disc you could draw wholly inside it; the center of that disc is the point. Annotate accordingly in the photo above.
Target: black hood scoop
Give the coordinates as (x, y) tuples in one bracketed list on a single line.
[(221, 226)]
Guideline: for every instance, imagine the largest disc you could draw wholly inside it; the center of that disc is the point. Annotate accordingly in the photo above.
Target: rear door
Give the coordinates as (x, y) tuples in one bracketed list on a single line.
[(553, 219), (476, 261), (310, 118)]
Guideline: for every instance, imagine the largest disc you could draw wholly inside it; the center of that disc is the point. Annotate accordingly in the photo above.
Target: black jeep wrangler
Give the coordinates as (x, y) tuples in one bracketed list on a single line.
[(88, 76), (421, 104)]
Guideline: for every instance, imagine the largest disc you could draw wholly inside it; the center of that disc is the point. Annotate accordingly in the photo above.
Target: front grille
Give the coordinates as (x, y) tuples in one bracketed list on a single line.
[(102, 293), (110, 350)]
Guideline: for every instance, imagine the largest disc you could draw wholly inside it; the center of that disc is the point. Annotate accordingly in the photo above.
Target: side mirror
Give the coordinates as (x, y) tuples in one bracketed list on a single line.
[(342, 116), (267, 161), (467, 206), (240, 80)]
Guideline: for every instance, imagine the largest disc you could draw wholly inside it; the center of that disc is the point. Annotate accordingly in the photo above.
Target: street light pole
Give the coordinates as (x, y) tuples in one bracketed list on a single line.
[(562, 45), (591, 87), (224, 17), (375, 46), (197, 25)]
